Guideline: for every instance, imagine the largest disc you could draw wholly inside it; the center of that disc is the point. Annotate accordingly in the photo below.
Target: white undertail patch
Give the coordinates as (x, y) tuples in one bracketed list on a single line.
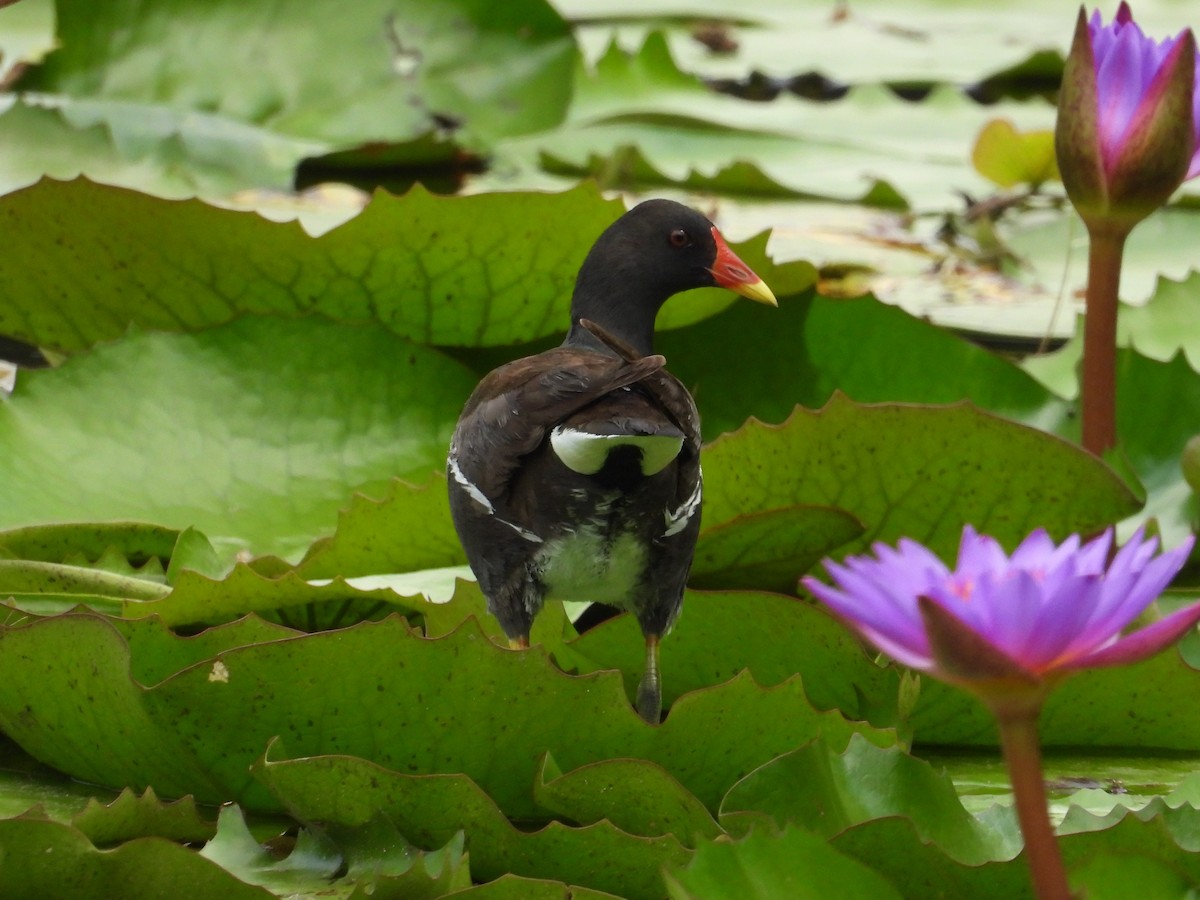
[(586, 453)]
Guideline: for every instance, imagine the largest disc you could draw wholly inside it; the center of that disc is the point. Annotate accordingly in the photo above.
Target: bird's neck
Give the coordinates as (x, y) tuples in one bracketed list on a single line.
[(621, 306)]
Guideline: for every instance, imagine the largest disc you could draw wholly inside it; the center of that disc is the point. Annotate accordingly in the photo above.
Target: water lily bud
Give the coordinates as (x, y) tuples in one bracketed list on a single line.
[(1128, 120)]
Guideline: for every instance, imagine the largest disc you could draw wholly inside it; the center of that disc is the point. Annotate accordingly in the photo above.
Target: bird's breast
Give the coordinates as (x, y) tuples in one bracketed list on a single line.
[(588, 564)]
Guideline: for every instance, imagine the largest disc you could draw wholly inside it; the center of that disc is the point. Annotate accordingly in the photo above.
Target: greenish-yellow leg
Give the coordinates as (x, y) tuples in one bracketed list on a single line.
[(649, 693)]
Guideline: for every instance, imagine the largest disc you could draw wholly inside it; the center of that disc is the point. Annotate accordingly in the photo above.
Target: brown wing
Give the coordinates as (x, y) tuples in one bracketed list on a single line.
[(510, 412)]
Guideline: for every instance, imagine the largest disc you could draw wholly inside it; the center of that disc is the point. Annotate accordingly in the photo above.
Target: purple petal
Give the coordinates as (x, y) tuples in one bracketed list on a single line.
[(913, 657), (1129, 590), (1124, 598), (1093, 556), (1037, 549), (978, 553), (864, 608), (1194, 168), (1009, 604), (1141, 644), (1120, 83), (1061, 621)]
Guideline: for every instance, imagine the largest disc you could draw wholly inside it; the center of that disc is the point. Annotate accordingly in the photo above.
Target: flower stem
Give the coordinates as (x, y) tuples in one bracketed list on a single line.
[(1099, 388), (1019, 741)]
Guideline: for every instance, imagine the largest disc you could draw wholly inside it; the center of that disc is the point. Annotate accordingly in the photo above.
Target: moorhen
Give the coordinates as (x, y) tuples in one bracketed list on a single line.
[(575, 473)]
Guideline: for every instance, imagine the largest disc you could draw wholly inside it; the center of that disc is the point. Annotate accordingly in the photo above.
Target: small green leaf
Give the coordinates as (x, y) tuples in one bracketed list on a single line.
[(1010, 157)]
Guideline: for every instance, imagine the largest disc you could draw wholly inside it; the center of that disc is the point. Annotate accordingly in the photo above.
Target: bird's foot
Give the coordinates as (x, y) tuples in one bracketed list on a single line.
[(520, 642), (649, 692)]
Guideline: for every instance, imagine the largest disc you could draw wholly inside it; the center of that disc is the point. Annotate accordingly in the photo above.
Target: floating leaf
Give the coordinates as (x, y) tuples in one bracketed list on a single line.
[(514, 887), (391, 81), (765, 866), (1099, 708), (132, 816), (773, 637), (198, 730), (137, 542), (1010, 157), (634, 795), (754, 361), (430, 809), (920, 472), (769, 550), (364, 541), (253, 461), (58, 861), (826, 792)]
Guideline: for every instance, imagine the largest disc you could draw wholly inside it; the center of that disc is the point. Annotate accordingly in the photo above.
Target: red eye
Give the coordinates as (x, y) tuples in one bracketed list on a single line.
[(679, 238)]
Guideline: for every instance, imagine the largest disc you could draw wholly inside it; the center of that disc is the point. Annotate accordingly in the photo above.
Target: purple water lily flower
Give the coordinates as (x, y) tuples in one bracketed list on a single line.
[(1036, 615), (1130, 73), (1128, 130)]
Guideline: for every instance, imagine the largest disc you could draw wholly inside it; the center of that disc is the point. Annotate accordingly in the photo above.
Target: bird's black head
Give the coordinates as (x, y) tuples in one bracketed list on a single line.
[(655, 250)]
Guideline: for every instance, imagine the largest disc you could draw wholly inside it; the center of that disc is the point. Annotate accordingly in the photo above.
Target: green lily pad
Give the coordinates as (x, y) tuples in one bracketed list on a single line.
[(1099, 708), (765, 866), (214, 433), (429, 809), (634, 795), (894, 849), (755, 361), (197, 731), (58, 861), (916, 471), (134, 815), (405, 529), (774, 637), (827, 792), (638, 119), (137, 542), (769, 549), (386, 86), (514, 887), (196, 599)]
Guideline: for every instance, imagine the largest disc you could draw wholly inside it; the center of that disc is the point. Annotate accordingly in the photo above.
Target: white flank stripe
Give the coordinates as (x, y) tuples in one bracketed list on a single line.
[(481, 498), (677, 520), (475, 493)]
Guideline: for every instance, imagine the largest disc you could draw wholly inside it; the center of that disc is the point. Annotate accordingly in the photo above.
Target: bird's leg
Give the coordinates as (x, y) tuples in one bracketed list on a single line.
[(520, 642), (649, 693)]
